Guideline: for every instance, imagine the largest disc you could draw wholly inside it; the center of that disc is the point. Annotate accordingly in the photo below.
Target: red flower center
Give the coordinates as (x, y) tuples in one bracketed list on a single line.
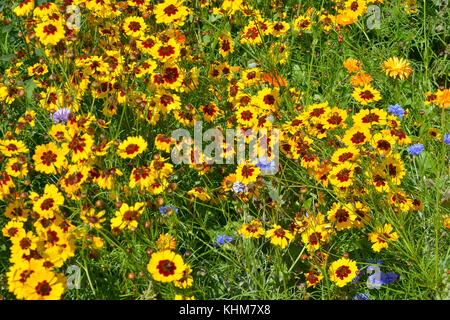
[(366, 95), (358, 138), (50, 29), (48, 158), (47, 204), (166, 267), (343, 272), (43, 288), (170, 10), (134, 26), (132, 148)]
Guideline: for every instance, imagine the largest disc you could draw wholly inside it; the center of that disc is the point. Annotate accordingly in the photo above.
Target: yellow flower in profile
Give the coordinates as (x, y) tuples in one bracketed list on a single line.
[(253, 229), (186, 281), (166, 266), (93, 219), (313, 278), (166, 242), (397, 67), (50, 32), (131, 147), (381, 237), (443, 98), (200, 194), (279, 236), (342, 271), (127, 217)]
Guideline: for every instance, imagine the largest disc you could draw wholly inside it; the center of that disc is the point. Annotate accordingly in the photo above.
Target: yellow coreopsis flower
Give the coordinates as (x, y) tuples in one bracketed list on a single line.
[(279, 236), (381, 237), (342, 271)]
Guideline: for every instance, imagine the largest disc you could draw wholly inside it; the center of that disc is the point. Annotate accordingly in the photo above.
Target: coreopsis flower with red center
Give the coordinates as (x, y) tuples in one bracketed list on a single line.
[(342, 215), (252, 229), (334, 118), (163, 143), (397, 67), (247, 116), (127, 217), (247, 173), (342, 155), (45, 10), (47, 205), (171, 12), (17, 210), (23, 244), (186, 116), (357, 135), (400, 200), (231, 6), (225, 44), (399, 136), (12, 147), (92, 218), (49, 158), (24, 8), (394, 168), (50, 32), (341, 175), (199, 193), (383, 144), (44, 285), (370, 117), (166, 266), (107, 178), (141, 177), (362, 212), (160, 168), (173, 77), (342, 271), (6, 183), (310, 160), (268, 99), (366, 95), (279, 28), (186, 280), (145, 44), (313, 278), (250, 77), (167, 101), (80, 147), (250, 35), (314, 236), (17, 167), (134, 27), (13, 228), (355, 8), (316, 111), (145, 68), (430, 98), (378, 179), (381, 237), (352, 65), (211, 112), (302, 23), (37, 70), (166, 51), (157, 186), (131, 147), (279, 236)]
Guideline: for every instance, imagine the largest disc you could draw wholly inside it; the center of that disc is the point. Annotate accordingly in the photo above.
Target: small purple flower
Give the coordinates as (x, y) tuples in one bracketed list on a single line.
[(168, 210), (416, 149), (397, 110), (239, 187), (447, 138), (61, 115), (221, 239)]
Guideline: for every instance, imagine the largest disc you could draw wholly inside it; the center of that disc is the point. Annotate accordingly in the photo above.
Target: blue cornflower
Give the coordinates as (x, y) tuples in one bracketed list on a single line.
[(221, 239), (239, 187), (397, 110), (416, 149), (361, 296), (447, 138), (61, 115), (265, 165), (168, 210), (389, 277)]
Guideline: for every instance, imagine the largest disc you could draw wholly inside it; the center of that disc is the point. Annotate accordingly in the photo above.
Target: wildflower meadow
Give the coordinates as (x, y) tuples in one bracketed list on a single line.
[(224, 150)]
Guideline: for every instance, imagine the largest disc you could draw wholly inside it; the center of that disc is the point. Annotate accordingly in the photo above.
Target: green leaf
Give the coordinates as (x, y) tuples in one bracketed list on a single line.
[(29, 87)]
